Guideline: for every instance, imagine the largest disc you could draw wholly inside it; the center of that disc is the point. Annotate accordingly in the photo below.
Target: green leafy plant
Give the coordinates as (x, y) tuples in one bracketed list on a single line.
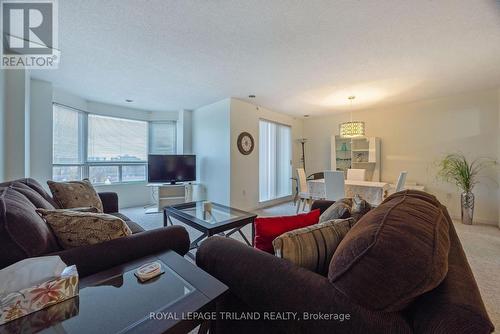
[(455, 168)]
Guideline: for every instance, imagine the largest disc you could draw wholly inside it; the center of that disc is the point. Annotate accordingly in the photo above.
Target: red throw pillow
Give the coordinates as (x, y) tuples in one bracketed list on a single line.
[(268, 228)]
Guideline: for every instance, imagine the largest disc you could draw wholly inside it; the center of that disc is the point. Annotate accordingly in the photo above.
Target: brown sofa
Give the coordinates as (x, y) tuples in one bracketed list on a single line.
[(24, 234), (261, 282)]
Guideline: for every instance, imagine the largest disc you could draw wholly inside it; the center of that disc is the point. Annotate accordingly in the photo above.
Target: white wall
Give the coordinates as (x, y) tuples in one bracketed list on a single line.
[(498, 153), (211, 144), (16, 139), (415, 135), (245, 168), (41, 131)]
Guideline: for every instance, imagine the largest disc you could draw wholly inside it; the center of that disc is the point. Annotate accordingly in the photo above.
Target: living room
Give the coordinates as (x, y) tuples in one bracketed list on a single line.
[(220, 163)]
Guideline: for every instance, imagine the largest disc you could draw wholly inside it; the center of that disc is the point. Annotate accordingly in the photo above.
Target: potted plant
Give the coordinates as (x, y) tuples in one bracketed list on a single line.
[(455, 168)]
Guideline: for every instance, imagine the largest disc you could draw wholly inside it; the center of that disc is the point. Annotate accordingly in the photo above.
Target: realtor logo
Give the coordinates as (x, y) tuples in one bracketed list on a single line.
[(29, 34)]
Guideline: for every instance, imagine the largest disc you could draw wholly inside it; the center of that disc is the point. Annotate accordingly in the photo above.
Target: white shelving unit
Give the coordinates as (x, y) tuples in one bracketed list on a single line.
[(171, 194), (360, 152)]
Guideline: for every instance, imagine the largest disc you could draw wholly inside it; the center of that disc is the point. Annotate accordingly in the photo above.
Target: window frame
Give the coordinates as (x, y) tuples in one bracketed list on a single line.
[(150, 135), (84, 165)]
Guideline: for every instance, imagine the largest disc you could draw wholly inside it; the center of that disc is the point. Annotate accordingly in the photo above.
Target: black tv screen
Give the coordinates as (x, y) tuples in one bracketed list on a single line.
[(171, 168)]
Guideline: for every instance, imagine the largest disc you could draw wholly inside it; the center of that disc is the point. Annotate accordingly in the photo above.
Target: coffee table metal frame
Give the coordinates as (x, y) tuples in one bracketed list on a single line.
[(225, 227)]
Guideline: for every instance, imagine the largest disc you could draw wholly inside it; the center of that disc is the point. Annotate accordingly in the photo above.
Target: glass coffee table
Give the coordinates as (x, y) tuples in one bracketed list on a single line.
[(114, 301), (221, 220)]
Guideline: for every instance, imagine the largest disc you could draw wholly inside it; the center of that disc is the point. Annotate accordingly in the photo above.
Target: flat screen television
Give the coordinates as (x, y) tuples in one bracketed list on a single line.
[(171, 168)]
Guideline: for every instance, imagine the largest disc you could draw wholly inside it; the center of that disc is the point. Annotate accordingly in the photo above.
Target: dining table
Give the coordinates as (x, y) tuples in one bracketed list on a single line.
[(371, 191)]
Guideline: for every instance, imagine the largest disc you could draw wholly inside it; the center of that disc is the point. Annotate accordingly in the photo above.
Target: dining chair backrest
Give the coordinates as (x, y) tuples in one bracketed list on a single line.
[(334, 185), (356, 174), (302, 180), (316, 176), (401, 181)]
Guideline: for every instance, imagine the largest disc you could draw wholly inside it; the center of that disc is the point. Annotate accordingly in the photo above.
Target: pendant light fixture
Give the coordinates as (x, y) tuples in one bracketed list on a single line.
[(352, 128)]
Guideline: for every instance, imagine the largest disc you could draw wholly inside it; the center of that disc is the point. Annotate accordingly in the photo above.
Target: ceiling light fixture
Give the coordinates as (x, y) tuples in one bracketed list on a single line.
[(251, 96), (352, 128)]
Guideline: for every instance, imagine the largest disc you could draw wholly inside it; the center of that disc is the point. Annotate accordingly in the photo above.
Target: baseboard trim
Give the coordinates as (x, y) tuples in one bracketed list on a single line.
[(478, 220), (268, 204)]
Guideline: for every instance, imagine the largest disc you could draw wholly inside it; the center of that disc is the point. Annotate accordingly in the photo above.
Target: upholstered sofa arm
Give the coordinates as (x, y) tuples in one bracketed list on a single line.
[(95, 258), (322, 205), (264, 282), (109, 202)]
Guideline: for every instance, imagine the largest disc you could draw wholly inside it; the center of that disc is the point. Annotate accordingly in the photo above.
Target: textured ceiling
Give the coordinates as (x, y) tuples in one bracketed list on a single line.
[(298, 57)]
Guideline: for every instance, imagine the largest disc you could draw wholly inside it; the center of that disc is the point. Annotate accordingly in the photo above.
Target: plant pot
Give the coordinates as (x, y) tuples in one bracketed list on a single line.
[(467, 201)]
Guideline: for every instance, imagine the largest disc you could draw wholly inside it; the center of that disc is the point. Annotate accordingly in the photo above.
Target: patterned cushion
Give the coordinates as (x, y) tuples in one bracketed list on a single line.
[(359, 207), (75, 194), (75, 229), (341, 209), (312, 247)]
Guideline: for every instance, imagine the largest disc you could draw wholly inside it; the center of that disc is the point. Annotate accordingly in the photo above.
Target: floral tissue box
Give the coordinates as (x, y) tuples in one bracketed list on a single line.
[(29, 300)]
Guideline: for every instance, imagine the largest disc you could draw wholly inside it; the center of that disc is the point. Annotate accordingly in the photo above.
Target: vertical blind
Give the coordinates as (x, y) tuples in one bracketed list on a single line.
[(116, 139), (275, 154), (66, 131), (162, 137)]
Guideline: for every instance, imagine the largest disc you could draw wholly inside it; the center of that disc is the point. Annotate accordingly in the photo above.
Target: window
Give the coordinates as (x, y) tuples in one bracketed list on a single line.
[(67, 153), (162, 137), (104, 149), (113, 139), (275, 154)]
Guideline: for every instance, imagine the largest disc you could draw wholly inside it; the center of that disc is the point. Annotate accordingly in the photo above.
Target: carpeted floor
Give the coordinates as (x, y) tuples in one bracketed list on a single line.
[(481, 244)]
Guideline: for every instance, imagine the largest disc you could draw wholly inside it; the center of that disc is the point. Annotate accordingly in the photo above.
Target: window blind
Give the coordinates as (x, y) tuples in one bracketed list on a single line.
[(275, 155)]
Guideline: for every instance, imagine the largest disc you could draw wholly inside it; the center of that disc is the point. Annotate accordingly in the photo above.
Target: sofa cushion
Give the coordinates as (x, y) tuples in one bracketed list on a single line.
[(75, 194), (394, 253), (359, 207), (134, 227), (76, 229), (32, 195), (341, 209), (268, 228), (312, 247), (23, 233), (33, 184)]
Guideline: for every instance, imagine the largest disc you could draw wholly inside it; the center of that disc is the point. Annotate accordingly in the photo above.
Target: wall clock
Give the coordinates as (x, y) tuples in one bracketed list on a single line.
[(245, 143)]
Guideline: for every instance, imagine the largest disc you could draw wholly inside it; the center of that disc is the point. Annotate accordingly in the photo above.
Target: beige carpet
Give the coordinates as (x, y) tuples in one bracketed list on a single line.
[(481, 244)]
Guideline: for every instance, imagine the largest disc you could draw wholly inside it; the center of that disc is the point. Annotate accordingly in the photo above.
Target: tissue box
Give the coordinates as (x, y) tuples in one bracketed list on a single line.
[(29, 300)]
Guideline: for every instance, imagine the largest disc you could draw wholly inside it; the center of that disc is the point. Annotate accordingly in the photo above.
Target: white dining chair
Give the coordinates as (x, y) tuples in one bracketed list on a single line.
[(356, 174), (401, 181), (334, 185), (304, 196)]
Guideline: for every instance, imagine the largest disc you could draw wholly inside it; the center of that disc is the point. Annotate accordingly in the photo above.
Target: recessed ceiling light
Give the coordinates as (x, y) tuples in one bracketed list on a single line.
[(251, 96), (129, 100)]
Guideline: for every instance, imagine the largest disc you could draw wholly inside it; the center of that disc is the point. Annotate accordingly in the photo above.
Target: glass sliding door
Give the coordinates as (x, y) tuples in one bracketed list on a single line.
[(275, 155)]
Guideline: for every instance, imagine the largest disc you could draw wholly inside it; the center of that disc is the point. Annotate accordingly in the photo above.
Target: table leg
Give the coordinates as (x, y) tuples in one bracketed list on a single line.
[(238, 229)]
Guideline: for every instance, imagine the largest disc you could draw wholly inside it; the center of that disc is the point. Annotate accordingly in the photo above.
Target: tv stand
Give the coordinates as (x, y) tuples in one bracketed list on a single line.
[(167, 194)]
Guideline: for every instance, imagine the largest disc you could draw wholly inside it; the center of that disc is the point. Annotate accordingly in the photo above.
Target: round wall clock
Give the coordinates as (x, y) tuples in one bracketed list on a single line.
[(245, 143)]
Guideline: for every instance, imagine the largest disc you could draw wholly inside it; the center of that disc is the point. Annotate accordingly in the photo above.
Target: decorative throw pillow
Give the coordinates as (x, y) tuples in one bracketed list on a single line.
[(341, 209), (395, 253), (76, 229), (359, 207), (312, 247), (33, 196), (268, 228), (75, 194)]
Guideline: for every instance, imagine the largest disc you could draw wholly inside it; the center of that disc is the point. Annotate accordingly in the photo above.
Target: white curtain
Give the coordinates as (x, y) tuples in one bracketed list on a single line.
[(275, 154)]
